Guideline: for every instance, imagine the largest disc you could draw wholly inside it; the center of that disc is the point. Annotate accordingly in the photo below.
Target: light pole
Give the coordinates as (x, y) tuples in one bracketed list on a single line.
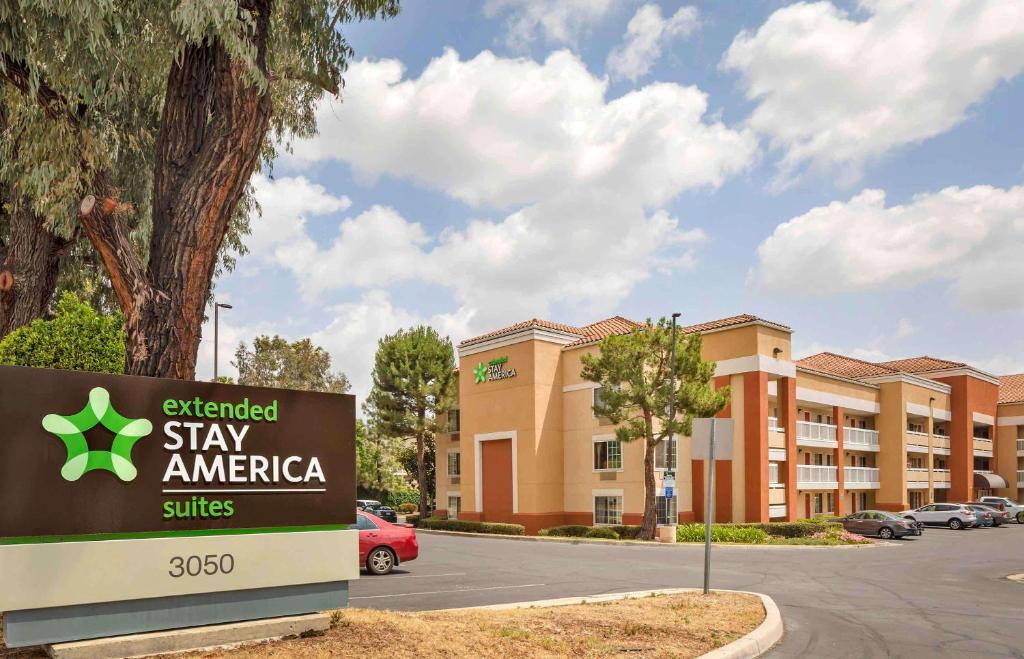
[(670, 449), (217, 306)]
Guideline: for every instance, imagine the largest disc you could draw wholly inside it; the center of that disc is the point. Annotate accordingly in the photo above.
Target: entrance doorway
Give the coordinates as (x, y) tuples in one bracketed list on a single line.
[(496, 462)]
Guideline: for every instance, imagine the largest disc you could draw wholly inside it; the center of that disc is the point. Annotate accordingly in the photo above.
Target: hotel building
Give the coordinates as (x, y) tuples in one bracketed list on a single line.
[(826, 434)]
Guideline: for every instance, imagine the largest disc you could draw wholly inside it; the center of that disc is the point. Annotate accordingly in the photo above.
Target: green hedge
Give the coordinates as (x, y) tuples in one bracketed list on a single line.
[(471, 527), (413, 519), (567, 531), (627, 532), (602, 532), (408, 508), (722, 533)]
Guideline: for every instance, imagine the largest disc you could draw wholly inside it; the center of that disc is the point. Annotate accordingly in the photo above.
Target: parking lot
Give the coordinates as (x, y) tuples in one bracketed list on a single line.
[(943, 594)]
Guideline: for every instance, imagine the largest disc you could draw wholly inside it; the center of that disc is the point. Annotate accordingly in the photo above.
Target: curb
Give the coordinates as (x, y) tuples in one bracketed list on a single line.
[(638, 543), (748, 646)]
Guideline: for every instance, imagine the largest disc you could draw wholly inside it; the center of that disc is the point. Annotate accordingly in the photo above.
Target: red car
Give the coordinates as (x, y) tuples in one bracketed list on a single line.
[(383, 545)]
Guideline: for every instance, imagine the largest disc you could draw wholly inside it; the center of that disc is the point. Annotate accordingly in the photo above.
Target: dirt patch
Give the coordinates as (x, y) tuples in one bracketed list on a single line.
[(685, 625)]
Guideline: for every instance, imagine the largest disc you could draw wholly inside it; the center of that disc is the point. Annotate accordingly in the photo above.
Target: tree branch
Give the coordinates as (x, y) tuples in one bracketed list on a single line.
[(54, 104), (108, 234)]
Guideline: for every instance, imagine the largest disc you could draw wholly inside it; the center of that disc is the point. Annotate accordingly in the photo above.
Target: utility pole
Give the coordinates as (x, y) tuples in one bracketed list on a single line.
[(217, 306), (670, 463), (708, 509)]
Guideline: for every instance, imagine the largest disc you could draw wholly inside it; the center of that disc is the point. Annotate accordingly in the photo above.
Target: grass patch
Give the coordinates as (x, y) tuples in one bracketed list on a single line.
[(685, 625)]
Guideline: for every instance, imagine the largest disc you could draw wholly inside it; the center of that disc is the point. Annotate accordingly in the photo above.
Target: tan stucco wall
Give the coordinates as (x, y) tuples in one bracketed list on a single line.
[(1007, 462), (744, 341), (837, 387), (892, 459)]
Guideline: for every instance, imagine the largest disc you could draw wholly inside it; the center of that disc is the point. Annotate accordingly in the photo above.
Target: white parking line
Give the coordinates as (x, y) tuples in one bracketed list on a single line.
[(428, 576), (441, 592)]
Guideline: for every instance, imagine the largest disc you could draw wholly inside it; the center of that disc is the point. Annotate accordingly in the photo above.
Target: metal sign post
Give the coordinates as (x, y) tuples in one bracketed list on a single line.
[(708, 508)]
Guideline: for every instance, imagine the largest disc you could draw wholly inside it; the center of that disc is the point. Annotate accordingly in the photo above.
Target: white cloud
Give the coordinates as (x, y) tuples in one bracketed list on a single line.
[(352, 334), (646, 36), (971, 237), (584, 179), (557, 21), (836, 92), (904, 328)]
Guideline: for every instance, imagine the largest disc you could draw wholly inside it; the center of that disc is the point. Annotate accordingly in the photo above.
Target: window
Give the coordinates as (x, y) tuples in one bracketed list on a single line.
[(454, 463), (454, 420), (819, 503), (863, 496), (454, 505), (598, 392), (607, 509), (829, 504), (660, 457), (364, 523), (1020, 432), (666, 510), (607, 455)]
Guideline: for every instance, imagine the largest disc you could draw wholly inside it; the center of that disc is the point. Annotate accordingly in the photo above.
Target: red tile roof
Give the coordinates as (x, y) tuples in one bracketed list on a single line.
[(729, 322), (847, 367), (526, 324), (921, 364), (1011, 388), (605, 328)]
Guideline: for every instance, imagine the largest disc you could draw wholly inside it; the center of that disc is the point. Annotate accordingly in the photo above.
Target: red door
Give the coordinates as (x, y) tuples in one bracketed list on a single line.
[(496, 461)]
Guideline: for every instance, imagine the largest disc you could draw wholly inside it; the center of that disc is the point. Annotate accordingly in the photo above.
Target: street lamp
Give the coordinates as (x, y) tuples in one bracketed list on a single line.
[(217, 306), (670, 449)]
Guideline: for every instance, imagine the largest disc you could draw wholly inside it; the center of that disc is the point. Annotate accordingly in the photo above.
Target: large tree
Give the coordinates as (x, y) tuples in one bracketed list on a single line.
[(634, 371), (414, 386), (274, 362), (229, 73)]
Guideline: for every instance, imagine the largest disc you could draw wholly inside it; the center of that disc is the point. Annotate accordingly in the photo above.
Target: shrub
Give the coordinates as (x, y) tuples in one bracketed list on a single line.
[(77, 339), (471, 527), (722, 533), (602, 532), (413, 519), (397, 497), (407, 508), (568, 531), (627, 532)]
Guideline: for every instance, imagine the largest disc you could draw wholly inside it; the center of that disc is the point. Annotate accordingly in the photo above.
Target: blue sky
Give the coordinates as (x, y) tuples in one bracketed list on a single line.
[(852, 170)]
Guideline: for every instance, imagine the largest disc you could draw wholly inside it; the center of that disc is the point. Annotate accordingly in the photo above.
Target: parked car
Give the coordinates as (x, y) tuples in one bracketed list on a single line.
[(954, 515), (383, 545), (363, 504), (386, 513), (1013, 509), (983, 514), (881, 523), (999, 515)]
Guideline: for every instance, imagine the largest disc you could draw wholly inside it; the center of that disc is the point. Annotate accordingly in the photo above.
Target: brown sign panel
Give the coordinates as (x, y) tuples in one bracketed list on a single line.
[(87, 453)]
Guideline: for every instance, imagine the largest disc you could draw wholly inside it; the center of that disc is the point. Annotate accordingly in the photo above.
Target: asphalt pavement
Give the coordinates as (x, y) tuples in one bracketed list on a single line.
[(941, 595)]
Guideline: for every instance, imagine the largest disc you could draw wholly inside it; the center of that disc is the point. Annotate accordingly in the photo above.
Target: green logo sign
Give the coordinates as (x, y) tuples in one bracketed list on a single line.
[(98, 411), (493, 370)]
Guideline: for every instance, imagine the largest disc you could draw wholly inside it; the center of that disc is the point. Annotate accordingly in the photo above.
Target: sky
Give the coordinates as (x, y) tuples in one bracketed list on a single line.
[(854, 170)]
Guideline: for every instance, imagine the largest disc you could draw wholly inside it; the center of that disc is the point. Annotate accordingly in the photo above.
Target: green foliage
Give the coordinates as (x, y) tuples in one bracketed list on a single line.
[(403, 496), (627, 532), (414, 386), (635, 374), (721, 533), (413, 519), (602, 532), (408, 508), (567, 531), (77, 338), (274, 362), (471, 527)]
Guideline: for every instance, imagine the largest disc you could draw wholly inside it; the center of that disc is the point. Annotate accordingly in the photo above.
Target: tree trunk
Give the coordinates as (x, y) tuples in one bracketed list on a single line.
[(421, 462), (212, 128), (32, 257), (650, 522)]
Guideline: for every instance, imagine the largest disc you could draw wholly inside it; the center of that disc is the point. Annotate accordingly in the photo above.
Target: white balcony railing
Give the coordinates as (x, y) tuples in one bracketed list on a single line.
[(816, 476), (983, 439), (860, 477), (917, 433), (815, 434), (1020, 446), (773, 473), (860, 437), (1020, 479), (773, 424)]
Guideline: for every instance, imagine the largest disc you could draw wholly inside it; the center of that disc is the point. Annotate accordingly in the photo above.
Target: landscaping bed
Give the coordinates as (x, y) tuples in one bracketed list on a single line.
[(801, 532), (684, 625)]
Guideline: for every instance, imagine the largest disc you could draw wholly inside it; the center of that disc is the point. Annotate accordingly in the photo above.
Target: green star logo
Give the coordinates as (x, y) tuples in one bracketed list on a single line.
[(480, 373), (70, 429)]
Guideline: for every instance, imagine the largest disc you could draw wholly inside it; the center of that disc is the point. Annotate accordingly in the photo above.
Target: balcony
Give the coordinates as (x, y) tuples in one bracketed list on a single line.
[(917, 477), (859, 439), (816, 477), (822, 435), (940, 478), (861, 478), (1020, 447), (776, 497), (917, 442), (1020, 479), (983, 447), (776, 435), (773, 475)]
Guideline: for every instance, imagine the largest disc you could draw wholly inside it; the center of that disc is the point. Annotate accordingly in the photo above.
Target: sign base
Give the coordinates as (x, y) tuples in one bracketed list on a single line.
[(107, 619), (193, 638)]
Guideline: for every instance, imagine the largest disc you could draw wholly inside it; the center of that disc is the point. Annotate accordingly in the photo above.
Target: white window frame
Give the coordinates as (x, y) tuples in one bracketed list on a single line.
[(607, 493), (660, 492), (448, 462), (596, 439), (454, 495), (675, 467)]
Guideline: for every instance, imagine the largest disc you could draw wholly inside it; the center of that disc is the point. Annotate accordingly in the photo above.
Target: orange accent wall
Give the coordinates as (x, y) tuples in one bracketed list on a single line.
[(496, 461), (969, 395), (723, 490), (839, 459), (755, 445), (787, 409), (697, 468)]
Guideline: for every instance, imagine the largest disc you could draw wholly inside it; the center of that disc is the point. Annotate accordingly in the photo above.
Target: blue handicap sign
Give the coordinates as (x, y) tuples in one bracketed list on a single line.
[(668, 493)]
